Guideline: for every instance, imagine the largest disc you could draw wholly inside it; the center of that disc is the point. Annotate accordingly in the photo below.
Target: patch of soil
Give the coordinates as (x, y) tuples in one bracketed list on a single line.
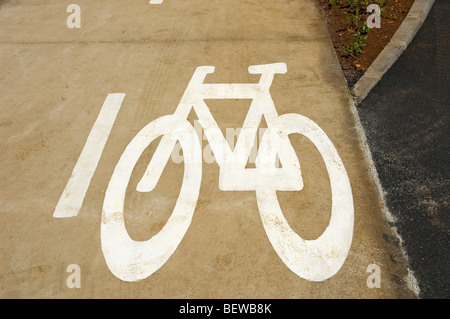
[(344, 19)]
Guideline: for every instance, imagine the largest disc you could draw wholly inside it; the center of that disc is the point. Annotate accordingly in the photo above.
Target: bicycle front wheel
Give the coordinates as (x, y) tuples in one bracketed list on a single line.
[(319, 259), (131, 260)]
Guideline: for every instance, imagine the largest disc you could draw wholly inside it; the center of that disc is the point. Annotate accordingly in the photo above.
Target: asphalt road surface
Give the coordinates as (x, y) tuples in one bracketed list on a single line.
[(406, 119)]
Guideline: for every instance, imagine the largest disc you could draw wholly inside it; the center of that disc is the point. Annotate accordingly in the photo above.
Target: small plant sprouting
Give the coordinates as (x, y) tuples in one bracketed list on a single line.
[(364, 28), (358, 40), (334, 2), (353, 3)]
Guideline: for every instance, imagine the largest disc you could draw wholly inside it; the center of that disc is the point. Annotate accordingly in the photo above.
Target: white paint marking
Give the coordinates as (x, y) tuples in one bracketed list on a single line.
[(233, 174), (156, 1), (314, 260), (73, 195), (322, 258), (132, 260)]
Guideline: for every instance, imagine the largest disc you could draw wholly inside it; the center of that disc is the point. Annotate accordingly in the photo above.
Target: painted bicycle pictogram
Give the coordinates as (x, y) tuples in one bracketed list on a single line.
[(314, 260)]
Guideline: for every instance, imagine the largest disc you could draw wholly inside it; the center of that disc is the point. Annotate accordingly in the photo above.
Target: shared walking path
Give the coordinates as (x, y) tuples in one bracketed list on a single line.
[(73, 99)]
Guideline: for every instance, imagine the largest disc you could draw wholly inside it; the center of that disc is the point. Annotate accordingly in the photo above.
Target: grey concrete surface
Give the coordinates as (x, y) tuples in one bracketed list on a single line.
[(53, 82)]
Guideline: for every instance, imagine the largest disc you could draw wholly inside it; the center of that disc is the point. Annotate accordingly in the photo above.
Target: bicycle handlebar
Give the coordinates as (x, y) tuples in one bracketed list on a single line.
[(273, 68)]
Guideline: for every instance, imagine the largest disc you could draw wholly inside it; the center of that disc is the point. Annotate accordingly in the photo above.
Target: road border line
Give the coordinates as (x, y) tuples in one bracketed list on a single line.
[(384, 61), (72, 197), (392, 51), (390, 220)]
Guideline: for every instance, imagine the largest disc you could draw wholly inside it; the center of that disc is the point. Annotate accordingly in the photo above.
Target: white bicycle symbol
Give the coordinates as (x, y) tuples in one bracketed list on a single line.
[(314, 260)]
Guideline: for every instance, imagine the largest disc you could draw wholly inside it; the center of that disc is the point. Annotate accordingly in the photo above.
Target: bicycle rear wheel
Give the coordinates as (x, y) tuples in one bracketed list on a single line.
[(319, 259), (131, 260)]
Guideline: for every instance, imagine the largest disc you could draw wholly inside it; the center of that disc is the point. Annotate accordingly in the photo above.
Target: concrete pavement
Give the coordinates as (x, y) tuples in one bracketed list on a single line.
[(54, 81)]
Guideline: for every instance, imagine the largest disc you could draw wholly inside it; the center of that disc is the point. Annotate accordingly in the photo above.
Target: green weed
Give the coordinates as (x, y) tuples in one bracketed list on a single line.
[(359, 40)]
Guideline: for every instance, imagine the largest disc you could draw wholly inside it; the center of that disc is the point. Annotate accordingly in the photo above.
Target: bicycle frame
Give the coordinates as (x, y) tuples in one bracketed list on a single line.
[(233, 174)]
